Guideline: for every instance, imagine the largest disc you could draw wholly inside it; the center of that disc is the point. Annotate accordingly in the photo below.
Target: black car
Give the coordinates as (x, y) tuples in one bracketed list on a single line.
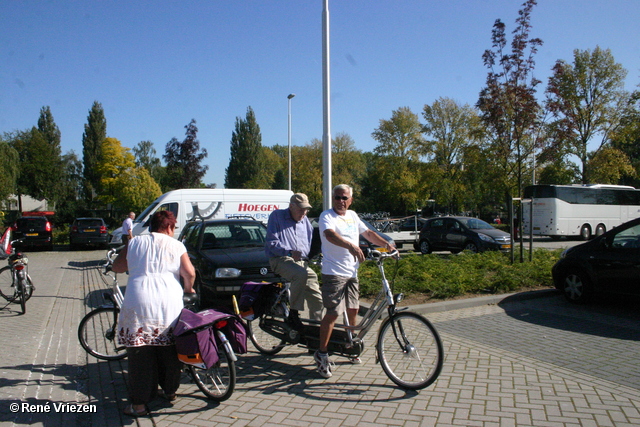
[(34, 232), (88, 232), (226, 253), (459, 233), (411, 224), (609, 263)]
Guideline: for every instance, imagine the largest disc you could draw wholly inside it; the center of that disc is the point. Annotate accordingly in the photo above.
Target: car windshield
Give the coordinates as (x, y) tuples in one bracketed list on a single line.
[(234, 235), (476, 224)]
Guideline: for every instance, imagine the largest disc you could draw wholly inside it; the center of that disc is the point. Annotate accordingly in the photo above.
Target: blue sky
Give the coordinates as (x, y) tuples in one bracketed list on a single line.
[(155, 65)]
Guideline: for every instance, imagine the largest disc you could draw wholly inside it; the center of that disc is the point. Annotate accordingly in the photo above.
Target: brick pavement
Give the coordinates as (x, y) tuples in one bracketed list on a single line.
[(507, 364)]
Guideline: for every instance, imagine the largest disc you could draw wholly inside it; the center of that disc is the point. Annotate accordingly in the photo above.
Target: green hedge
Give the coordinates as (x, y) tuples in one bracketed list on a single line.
[(446, 276)]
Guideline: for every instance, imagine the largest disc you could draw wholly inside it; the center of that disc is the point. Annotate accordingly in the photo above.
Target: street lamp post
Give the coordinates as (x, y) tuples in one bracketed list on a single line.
[(291, 95)]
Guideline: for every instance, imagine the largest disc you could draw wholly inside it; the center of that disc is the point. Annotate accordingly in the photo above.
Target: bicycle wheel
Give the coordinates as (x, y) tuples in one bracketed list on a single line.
[(410, 350), (219, 381), (97, 334), (264, 342), (22, 292), (8, 289)]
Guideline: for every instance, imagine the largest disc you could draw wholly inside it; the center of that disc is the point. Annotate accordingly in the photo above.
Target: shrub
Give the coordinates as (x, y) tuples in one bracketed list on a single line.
[(447, 276)]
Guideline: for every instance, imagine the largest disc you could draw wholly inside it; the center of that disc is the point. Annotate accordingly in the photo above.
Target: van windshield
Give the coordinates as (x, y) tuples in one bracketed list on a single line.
[(144, 213)]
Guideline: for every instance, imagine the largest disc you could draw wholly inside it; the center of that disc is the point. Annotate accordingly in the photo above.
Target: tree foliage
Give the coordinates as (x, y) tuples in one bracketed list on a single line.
[(588, 99), (124, 186), (609, 166), (184, 160), (95, 132), (246, 148), (145, 155), (508, 103), (9, 169), (400, 136)]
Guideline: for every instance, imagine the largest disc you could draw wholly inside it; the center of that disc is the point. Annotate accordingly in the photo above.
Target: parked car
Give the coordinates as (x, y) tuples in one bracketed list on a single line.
[(34, 232), (409, 224), (88, 232), (458, 233), (607, 264), (226, 253)]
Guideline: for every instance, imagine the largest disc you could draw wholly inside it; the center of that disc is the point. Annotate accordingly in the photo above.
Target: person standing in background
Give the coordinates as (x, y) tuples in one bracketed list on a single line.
[(127, 228)]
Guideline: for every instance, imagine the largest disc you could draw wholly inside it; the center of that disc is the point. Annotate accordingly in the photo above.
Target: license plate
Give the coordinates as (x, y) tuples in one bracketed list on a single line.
[(506, 246), (32, 234), (89, 230)]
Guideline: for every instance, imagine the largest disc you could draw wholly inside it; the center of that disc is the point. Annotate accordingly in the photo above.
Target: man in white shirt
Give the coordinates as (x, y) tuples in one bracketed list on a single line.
[(127, 228), (340, 230)]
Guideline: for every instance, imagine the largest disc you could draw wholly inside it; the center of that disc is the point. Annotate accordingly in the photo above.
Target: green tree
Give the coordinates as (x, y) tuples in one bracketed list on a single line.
[(125, 186), (400, 136), (9, 169), (246, 148), (95, 132), (588, 99), (610, 165), (145, 155), (451, 128), (50, 165), (627, 137), (71, 204), (184, 160)]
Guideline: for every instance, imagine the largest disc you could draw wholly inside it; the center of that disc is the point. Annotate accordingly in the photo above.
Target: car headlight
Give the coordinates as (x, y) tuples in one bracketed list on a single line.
[(226, 272), (486, 238)]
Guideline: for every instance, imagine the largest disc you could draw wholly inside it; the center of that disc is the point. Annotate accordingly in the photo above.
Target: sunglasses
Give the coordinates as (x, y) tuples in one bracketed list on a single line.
[(343, 198)]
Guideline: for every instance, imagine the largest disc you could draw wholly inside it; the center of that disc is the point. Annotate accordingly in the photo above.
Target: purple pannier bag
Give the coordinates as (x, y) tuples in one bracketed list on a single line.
[(195, 337), (196, 340)]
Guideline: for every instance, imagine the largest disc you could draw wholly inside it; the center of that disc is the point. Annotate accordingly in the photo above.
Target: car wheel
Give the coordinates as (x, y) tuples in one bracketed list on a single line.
[(576, 286), (471, 247), (425, 247), (585, 232), (600, 230)]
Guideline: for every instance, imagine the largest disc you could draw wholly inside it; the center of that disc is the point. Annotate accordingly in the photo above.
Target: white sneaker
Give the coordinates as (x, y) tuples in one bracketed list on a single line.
[(324, 364), (355, 360)]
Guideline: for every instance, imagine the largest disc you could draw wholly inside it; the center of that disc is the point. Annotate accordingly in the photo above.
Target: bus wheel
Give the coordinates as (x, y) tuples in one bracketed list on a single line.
[(600, 230), (585, 232)]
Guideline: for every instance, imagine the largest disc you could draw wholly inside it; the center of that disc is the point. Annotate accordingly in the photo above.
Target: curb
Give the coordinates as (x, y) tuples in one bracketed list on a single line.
[(438, 307)]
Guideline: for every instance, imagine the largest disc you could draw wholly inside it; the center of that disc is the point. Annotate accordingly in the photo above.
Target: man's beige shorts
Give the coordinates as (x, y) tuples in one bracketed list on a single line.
[(336, 289)]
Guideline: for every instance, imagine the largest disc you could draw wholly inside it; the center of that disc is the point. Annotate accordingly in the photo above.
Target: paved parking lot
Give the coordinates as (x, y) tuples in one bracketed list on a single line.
[(509, 362)]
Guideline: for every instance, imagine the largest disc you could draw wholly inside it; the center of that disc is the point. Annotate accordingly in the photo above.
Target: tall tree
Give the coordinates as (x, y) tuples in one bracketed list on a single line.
[(95, 132), (184, 160), (588, 99), (145, 155), (400, 136), (246, 147), (449, 129), (51, 161), (508, 103), (9, 169)]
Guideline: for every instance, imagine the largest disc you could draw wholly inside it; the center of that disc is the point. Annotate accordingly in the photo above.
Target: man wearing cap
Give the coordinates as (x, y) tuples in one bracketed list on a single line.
[(289, 234)]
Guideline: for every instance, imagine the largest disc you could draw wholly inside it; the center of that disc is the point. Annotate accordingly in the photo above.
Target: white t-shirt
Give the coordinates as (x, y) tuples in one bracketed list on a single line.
[(336, 260)]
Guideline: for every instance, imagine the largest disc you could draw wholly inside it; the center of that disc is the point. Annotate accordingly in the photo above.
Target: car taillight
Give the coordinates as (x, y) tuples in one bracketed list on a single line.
[(48, 226), (103, 229), (74, 229)]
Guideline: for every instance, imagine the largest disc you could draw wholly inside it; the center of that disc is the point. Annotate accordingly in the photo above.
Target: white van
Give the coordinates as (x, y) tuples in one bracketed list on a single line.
[(209, 203)]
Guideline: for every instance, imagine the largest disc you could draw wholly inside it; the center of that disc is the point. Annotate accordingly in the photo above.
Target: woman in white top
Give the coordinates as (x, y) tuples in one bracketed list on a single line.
[(152, 304)]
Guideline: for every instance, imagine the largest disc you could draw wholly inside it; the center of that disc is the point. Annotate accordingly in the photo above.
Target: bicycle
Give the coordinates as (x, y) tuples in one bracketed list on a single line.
[(408, 346), (16, 285), (98, 330)]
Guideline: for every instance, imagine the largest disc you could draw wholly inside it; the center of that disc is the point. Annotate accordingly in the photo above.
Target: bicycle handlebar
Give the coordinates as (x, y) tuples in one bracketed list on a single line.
[(383, 255)]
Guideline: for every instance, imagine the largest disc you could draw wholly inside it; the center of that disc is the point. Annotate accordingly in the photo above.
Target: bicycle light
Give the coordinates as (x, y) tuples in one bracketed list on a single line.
[(398, 297)]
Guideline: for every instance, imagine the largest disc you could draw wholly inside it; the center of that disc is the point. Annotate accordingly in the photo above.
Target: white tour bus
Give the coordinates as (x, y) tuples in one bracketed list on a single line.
[(209, 203), (578, 210)]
